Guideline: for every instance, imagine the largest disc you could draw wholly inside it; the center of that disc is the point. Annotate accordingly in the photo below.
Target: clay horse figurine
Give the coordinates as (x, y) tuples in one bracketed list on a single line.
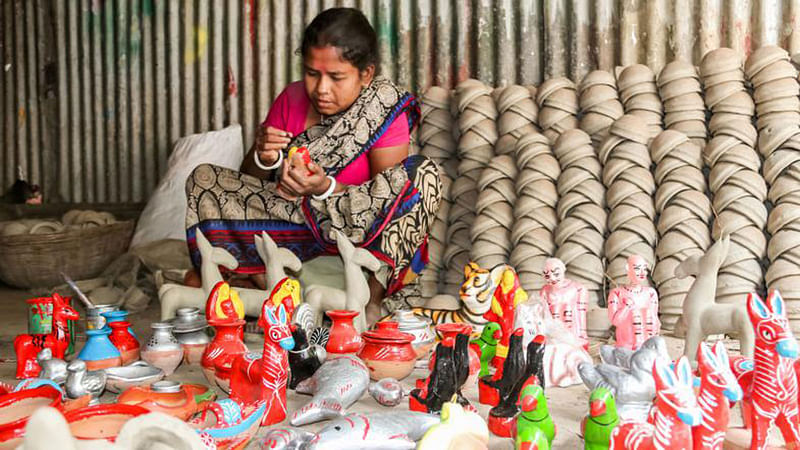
[(718, 390), (27, 346), (773, 389), (255, 379)]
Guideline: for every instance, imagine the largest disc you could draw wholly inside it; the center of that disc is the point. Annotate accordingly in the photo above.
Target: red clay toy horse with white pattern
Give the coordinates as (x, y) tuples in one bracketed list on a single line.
[(718, 387)]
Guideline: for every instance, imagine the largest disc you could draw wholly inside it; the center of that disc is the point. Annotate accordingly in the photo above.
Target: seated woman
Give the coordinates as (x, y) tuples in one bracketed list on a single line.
[(360, 181)]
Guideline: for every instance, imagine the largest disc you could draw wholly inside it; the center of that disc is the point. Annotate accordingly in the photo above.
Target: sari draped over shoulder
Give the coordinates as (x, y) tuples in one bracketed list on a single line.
[(389, 215)]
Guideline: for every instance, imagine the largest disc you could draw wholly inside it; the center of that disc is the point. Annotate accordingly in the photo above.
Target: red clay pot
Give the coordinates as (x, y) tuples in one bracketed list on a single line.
[(387, 352), (226, 346), (122, 338), (343, 338), (101, 421), (183, 403)]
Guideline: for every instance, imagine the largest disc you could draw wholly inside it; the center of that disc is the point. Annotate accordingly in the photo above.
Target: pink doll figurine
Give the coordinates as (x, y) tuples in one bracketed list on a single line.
[(566, 300), (633, 307)]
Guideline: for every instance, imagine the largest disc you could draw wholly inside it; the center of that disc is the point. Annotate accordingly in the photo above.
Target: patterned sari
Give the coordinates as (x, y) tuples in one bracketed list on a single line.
[(389, 215)]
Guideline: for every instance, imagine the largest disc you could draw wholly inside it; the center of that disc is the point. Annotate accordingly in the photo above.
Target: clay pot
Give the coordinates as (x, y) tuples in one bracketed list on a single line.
[(169, 397), (449, 331), (190, 331), (343, 338), (163, 350), (419, 327), (220, 353), (17, 407), (99, 352), (127, 345), (387, 352), (101, 421)]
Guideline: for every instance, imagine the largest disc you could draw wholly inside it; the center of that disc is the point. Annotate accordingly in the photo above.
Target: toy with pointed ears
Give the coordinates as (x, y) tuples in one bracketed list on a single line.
[(27, 346), (676, 411), (601, 420), (534, 415), (772, 384), (256, 379), (486, 345), (718, 388)]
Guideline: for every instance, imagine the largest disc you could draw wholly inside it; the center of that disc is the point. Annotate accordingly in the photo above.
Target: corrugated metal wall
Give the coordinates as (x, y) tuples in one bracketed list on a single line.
[(94, 92)]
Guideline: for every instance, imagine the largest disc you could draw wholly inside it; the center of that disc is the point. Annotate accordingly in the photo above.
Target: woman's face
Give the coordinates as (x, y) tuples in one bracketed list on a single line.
[(332, 83)]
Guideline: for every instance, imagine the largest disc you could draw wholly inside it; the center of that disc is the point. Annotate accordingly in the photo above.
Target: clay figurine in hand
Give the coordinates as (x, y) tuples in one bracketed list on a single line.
[(534, 415), (374, 431), (255, 379), (773, 388), (356, 294), (702, 316), (629, 377), (676, 411), (566, 300), (718, 390), (601, 420), (459, 430), (507, 296), (304, 359), (28, 346), (485, 345), (340, 382), (633, 307)]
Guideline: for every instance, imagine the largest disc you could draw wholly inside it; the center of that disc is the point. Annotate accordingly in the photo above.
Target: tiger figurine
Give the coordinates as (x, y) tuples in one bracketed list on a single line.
[(476, 294)]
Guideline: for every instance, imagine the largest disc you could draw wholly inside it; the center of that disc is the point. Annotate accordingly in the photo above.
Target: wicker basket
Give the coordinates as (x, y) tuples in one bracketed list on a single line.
[(36, 260)]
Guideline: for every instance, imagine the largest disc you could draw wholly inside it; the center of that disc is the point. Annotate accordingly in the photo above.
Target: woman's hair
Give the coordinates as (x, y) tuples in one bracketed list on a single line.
[(349, 31)]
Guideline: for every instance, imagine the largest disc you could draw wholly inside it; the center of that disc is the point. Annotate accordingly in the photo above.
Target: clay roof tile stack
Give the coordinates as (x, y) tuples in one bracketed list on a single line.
[(494, 218), (600, 105), (775, 87), (684, 110), (639, 95), (518, 115), (558, 107), (726, 95)]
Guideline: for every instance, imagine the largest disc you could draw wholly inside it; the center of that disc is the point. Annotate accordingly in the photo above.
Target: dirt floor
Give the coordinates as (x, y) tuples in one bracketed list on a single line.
[(567, 405)]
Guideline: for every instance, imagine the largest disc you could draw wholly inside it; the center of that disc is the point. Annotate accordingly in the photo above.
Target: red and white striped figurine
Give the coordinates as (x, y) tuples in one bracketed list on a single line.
[(718, 387), (676, 411)]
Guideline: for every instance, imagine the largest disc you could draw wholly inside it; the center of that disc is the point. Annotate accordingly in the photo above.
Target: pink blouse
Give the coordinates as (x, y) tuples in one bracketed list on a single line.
[(289, 112)]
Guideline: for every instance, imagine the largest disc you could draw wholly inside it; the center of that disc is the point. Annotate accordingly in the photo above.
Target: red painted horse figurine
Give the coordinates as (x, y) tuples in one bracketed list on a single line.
[(718, 388), (27, 346), (676, 411), (770, 381), (254, 379)]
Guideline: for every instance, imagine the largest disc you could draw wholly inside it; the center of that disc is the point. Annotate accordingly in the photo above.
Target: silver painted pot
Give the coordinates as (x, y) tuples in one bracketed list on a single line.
[(163, 350), (191, 330), (94, 316), (138, 373)]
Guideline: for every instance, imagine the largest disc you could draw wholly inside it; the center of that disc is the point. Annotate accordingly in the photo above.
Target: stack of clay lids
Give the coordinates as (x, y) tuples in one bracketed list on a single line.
[(639, 95), (775, 86), (518, 115), (535, 209), (725, 93), (494, 217), (684, 217), (581, 212), (432, 276), (629, 195), (599, 103), (437, 130), (684, 109), (558, 107), (461, 215), (738, 196), (476, 123)]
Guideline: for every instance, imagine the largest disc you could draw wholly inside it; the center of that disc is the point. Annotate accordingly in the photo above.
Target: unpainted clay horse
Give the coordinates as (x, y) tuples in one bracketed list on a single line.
[(702, 316)]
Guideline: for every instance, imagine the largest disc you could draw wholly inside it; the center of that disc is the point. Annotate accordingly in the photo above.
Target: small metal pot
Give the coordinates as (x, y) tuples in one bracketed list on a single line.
[(94, 316)]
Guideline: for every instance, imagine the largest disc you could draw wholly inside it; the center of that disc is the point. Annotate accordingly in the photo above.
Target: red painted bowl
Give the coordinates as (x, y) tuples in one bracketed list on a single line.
[(17, 407), (101, 421)]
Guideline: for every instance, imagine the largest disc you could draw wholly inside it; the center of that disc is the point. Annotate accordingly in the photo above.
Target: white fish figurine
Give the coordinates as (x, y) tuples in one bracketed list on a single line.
[(336, 385), (396, 430)]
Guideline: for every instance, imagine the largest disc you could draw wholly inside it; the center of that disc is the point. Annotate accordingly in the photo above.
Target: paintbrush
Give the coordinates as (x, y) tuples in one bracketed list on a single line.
[(88, 303)]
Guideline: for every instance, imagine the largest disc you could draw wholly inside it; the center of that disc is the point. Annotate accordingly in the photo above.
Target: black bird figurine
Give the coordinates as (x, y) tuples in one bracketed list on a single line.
[(440, 385), (304, 359), (490, 386)]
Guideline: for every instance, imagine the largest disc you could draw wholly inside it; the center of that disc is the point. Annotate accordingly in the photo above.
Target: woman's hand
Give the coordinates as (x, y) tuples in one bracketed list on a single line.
[(300, 180), (269, 142)]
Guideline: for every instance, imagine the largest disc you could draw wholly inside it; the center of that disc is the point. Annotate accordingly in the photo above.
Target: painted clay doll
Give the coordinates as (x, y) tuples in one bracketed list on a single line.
[(633, 307), (566, 300), (506, 297)]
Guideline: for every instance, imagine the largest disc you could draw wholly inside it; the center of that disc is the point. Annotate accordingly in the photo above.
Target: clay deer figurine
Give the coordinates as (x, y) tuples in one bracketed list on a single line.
[(702, 316), (718, 387), (173, 296), (772, 388), (254, 379), (27, 346), (356, 294), (676, 411)]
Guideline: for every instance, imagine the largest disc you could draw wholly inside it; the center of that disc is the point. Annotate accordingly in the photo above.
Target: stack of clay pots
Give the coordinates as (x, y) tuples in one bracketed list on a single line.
[(680, 90), (775, 87), (535, 210), (738, 194), (558, 107), (494, 217), (600, 105), (780, 146), (518, 115), (582, 217), (432, 277), (436, 130), (629, 194), (639, 95), (684, 216), (478, 134), (725, 93)]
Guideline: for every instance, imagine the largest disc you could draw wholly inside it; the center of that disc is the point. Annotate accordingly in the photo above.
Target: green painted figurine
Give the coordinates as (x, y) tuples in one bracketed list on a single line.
[(534, 417), (601, 420), (486, 345), (536, 440)]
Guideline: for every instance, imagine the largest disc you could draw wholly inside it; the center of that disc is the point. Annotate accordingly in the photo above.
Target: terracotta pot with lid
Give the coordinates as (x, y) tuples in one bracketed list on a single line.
[(417, 326), (387, 352)]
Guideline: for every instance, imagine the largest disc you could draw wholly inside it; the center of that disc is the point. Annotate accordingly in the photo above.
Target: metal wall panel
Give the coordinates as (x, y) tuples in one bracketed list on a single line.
[(93, 92)]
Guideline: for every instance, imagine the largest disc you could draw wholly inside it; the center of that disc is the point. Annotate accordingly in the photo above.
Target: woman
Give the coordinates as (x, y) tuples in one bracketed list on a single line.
[(360, 181)]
